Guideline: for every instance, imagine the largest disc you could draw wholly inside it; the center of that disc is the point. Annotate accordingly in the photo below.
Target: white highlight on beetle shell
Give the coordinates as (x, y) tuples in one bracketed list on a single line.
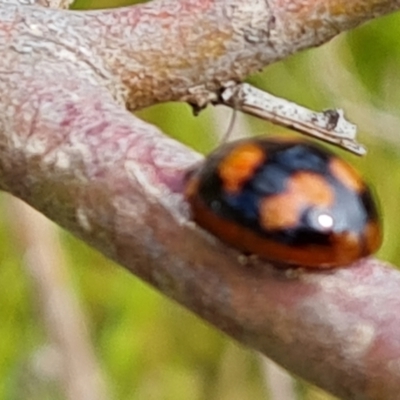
[(320, 219), (325, 221)]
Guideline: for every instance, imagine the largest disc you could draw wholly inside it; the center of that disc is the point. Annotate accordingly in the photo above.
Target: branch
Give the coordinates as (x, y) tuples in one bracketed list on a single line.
[(209, 42), (43, 3), (236, 38), (68, 148)]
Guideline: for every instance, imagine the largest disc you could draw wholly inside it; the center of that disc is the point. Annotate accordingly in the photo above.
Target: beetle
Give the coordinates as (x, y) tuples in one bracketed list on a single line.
[(286, 200)]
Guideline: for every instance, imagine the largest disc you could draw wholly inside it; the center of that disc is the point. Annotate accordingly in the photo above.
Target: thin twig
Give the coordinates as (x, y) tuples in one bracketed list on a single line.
[(329, 126)]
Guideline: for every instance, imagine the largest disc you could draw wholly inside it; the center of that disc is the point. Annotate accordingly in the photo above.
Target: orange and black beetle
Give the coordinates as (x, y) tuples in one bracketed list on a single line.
[(285, 200)]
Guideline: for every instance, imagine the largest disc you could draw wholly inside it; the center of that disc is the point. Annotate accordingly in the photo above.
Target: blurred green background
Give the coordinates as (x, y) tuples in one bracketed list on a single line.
[(151, 348)]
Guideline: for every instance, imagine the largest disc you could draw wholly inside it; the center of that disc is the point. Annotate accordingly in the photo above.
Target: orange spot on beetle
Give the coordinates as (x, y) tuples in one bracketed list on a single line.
[(346, 175), (239, 165), (304, 189)]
